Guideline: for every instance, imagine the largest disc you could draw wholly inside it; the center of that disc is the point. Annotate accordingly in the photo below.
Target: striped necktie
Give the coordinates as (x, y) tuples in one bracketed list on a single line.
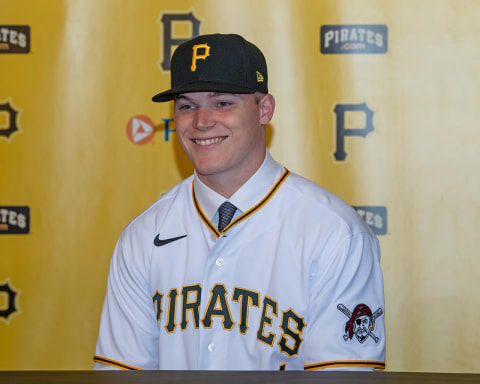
[(225, 214)]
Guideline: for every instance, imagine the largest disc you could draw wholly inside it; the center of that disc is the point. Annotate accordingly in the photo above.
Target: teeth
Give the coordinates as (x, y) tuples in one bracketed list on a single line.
[(209, 141)]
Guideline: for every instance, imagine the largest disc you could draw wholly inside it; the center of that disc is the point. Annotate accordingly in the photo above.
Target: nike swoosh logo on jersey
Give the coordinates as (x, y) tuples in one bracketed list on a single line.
[(158, 242)]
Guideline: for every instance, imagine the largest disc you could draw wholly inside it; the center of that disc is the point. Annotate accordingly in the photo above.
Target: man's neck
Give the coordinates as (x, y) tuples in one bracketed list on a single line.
[(227, 183), (224, 185)]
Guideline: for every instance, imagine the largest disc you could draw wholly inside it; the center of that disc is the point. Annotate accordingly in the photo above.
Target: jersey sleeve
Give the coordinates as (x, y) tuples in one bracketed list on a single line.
[(345, 328), (128, 335)]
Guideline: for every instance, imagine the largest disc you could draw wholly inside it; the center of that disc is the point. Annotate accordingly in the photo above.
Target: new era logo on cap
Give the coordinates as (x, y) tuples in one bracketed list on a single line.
[(219, 63)]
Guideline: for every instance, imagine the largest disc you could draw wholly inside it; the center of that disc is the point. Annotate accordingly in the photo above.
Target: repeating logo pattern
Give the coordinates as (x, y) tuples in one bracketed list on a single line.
[(338, 39), (14, 38)]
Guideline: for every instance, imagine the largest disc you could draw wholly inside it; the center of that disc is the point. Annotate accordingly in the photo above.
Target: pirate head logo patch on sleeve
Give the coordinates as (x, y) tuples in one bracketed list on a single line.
[(361, 322)]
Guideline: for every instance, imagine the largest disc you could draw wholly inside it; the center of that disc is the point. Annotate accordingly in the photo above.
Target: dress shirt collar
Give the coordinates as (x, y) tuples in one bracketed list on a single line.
[(250, 193)]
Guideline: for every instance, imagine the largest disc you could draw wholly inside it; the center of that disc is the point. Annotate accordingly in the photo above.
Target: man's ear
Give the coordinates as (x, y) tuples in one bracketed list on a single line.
[(267, 107)]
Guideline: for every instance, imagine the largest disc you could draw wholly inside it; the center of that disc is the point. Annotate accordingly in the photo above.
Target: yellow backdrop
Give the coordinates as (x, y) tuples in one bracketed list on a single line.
[(377, 101)]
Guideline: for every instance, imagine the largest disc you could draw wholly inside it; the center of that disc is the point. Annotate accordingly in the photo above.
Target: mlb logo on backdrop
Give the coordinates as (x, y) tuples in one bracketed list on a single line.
[(358, 38)]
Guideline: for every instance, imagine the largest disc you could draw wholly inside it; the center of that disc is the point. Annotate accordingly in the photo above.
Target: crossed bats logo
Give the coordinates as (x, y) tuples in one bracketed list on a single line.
[(361, 322)]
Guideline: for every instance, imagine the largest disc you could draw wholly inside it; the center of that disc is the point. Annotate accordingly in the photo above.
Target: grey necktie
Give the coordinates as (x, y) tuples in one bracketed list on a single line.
[(225, 214)]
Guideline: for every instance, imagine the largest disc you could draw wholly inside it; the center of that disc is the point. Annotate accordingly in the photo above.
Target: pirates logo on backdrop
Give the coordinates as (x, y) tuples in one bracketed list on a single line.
[(340, 112), (14, 39), (374, 216), (170, 41), (14, 220), (9, 119), (355, 39), (9, 305)]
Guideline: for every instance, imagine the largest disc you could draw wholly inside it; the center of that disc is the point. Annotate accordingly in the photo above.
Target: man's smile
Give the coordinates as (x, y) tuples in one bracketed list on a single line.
[(209, 141)]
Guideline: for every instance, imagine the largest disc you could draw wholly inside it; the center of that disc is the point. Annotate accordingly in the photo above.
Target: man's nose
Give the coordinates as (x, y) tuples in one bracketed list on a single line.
[(204, 119)]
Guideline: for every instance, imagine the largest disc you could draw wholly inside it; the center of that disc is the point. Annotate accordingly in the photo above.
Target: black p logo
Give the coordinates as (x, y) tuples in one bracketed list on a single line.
[(169, 41), (340, 110)]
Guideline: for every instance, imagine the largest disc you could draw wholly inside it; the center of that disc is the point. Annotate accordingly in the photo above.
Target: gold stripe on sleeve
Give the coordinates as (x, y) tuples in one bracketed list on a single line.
[(379, 365), (116, 364)]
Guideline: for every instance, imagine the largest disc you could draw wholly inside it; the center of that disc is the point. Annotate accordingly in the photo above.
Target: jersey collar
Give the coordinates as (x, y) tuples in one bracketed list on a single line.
[(246, 196), (249, 198)]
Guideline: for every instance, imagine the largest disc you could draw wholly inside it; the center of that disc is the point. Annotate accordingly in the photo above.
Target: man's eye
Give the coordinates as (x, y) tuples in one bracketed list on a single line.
[(185, 107), (224, 104)]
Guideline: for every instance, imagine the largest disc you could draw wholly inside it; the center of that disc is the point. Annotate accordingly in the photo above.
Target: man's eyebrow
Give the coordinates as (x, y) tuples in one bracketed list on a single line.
[(214, 94), (181, 96), (211, 94)]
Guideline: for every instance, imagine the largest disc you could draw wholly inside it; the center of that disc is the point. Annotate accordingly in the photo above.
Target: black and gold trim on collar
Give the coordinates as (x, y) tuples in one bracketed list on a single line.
[(116, 364), (378, 365), (244, 215)]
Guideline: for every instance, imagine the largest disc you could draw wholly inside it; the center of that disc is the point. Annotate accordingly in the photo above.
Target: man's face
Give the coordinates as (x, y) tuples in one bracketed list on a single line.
[(223, 134), (361, 328)]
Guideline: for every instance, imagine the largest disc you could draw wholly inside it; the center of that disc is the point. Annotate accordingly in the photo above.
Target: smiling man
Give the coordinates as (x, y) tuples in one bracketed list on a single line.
[(244, 265), (223, 135)]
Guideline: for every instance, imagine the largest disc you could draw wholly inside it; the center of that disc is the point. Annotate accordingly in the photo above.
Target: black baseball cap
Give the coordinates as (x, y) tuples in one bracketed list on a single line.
[(218, 63)]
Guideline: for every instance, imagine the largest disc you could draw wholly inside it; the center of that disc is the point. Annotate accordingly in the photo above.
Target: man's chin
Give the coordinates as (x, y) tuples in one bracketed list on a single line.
[(208, 170)]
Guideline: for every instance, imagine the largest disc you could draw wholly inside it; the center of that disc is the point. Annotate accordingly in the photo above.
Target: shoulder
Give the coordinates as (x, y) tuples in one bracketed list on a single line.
[(318, 204), (153, 216)]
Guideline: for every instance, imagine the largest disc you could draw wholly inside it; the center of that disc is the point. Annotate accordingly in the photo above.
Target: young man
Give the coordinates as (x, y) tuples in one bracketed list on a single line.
[(244, 265)]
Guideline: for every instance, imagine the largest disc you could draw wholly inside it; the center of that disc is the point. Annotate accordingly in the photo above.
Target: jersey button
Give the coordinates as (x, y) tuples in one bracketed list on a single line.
[(213, 238), (220, 261), (212, 347)]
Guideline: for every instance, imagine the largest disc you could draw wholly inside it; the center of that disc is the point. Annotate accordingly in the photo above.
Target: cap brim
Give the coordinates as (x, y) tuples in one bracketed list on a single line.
[(200, 86)]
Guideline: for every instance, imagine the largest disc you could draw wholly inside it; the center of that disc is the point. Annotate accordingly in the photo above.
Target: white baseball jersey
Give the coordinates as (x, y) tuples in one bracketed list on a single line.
[(293, 282)]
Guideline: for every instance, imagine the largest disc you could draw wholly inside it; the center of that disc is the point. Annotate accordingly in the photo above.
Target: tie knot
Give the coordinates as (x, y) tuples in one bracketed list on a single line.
[(225, 215)]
